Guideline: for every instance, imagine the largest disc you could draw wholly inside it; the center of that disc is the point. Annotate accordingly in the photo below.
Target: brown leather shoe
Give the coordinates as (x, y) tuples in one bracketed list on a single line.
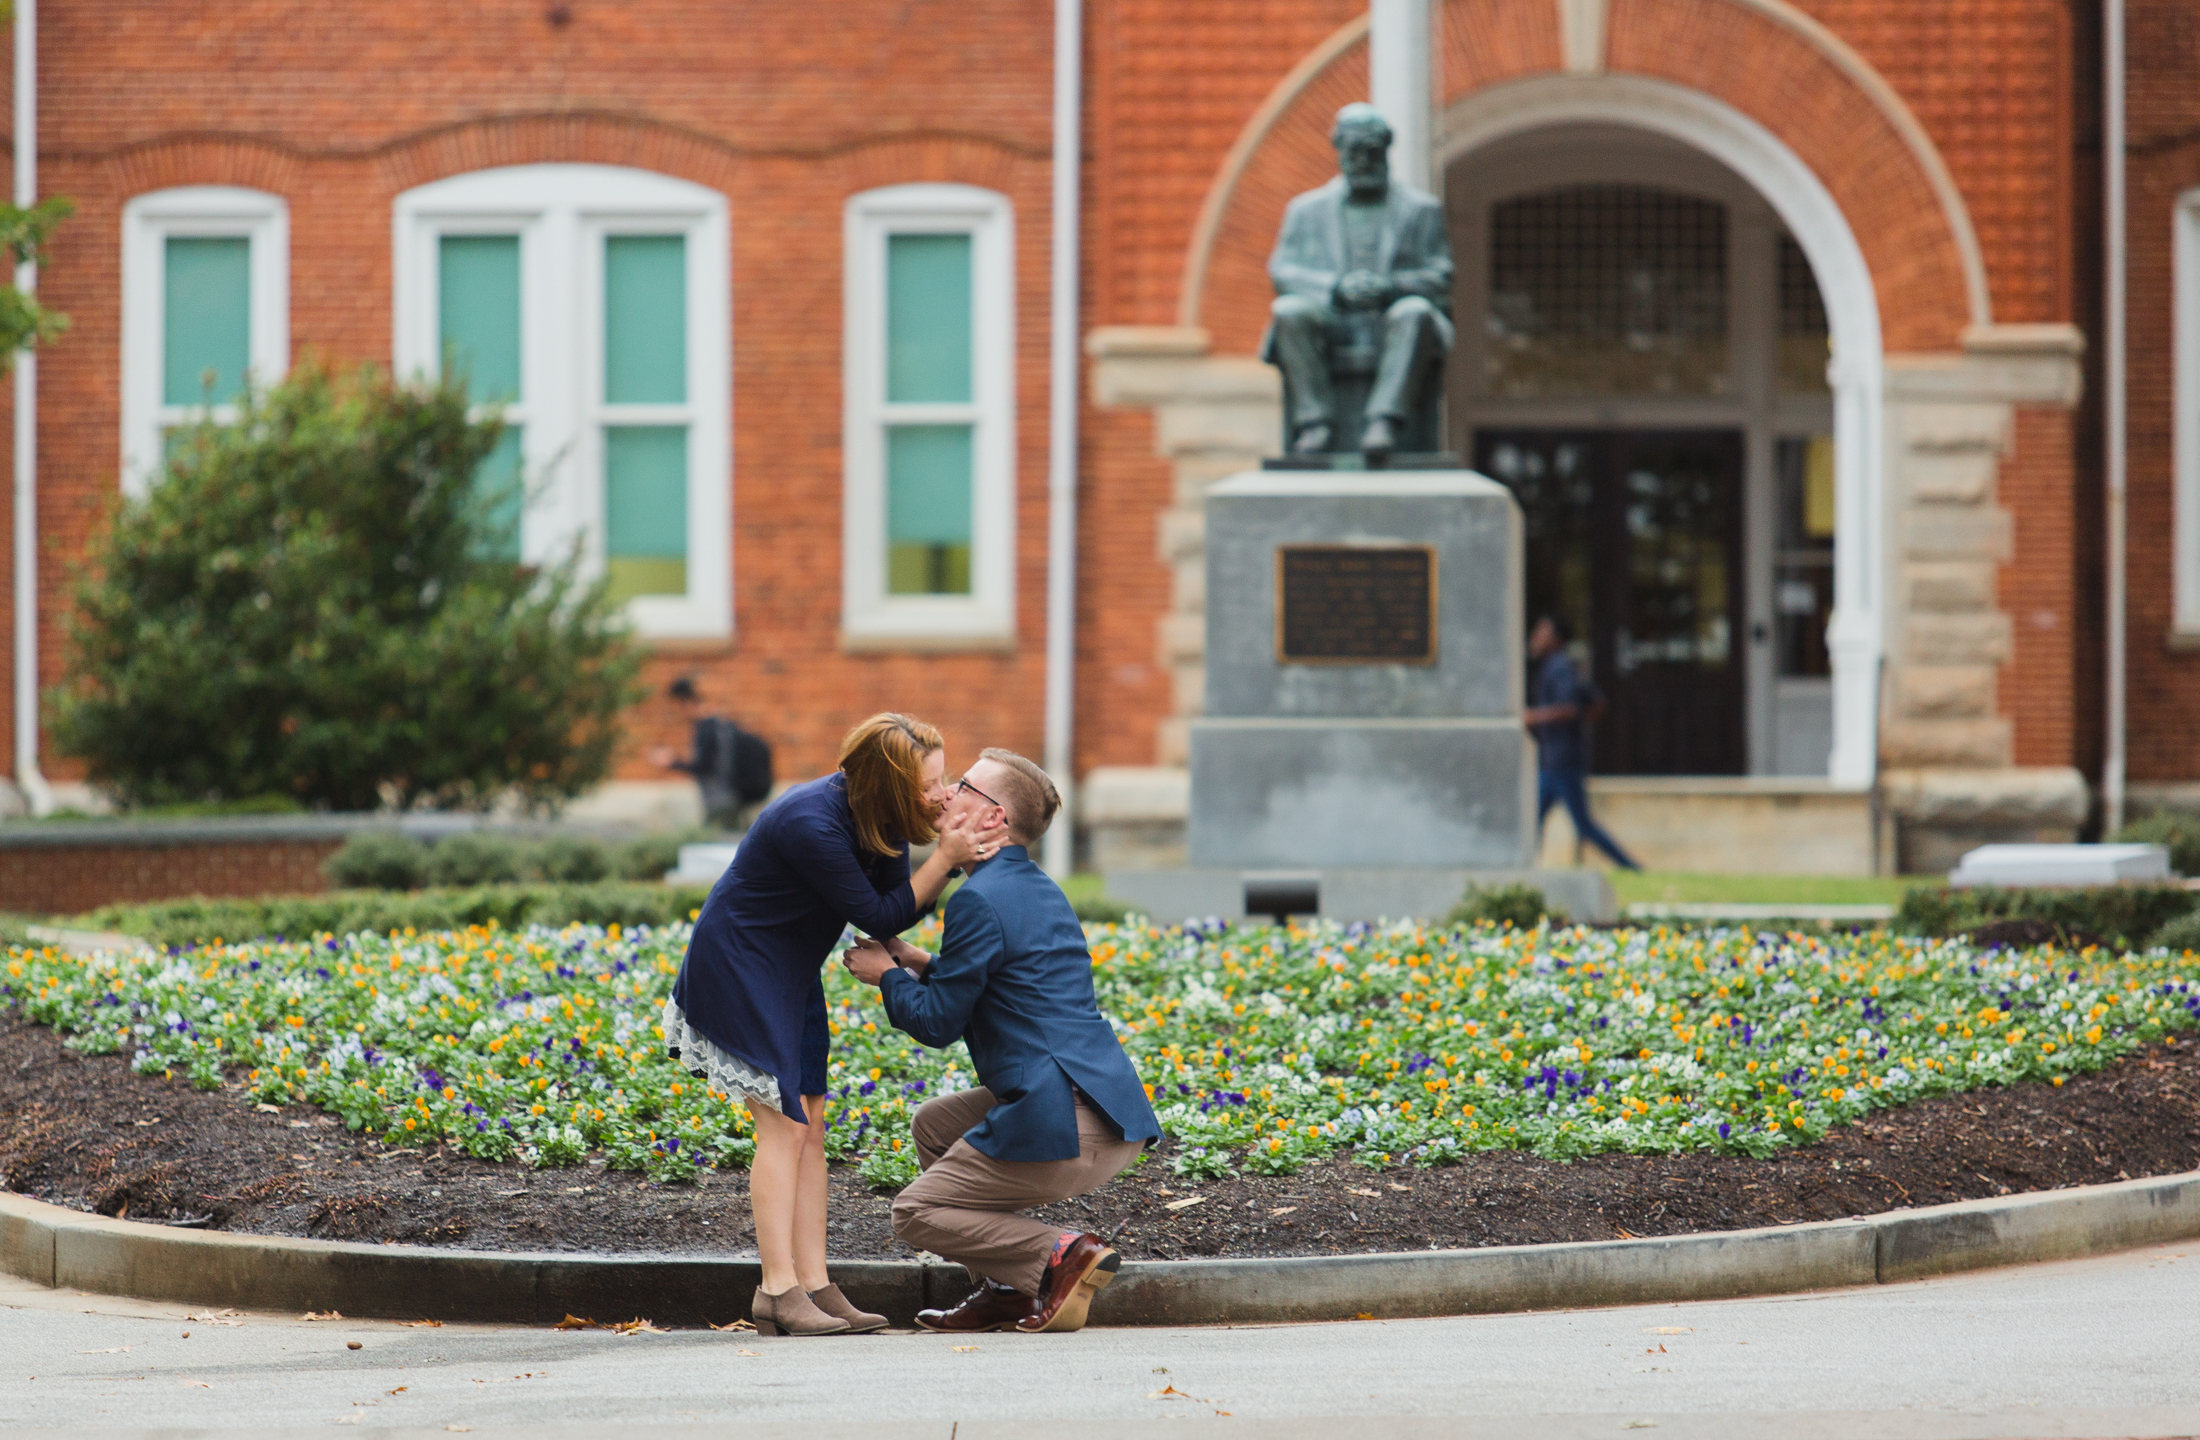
[(989, 1307), (1067, 1288)]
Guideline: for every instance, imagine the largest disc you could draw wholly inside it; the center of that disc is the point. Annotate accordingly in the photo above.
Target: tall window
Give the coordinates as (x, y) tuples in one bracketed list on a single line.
[(930, 491), (205, 304), (588, 303)]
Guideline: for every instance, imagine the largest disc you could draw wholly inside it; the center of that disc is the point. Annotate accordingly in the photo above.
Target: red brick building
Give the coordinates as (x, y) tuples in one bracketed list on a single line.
[(770, 301)]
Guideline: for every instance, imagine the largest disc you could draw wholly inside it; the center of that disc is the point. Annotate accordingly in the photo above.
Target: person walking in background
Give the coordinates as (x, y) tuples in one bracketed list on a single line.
[(1560, 706), (732, 767)]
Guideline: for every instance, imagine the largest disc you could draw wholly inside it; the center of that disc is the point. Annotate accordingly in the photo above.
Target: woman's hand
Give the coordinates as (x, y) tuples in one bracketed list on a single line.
[(968, 839)]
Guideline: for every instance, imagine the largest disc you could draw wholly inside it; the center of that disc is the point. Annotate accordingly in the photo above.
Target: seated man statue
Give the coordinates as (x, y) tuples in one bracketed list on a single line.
[(1362, 270)]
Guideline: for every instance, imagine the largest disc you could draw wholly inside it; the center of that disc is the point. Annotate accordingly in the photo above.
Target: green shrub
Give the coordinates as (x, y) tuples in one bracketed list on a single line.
[(478, 858), (378, 860), (2178, 935), (2178, 833), (343, 912), (1522, 905), (570, 860), (319, 601), (2121, 914), (1100, 910)]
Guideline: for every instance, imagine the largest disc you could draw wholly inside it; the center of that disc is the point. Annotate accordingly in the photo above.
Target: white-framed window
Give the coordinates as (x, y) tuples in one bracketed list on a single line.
[(2185, 536), (929, 525), (205, 303), (590, 301)]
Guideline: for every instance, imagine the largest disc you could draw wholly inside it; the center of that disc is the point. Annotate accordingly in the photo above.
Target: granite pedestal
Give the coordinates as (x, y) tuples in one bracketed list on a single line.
[(1362, 744)]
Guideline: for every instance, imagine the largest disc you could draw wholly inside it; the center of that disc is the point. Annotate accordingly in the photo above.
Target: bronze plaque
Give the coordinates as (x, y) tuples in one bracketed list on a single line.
[(1356, 605)]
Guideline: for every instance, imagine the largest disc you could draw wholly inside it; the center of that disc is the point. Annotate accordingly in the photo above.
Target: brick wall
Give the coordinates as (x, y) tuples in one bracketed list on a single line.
[(71, 879)]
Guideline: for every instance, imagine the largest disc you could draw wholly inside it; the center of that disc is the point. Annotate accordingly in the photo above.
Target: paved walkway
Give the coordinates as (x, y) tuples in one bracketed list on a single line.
[(2088, 1348)]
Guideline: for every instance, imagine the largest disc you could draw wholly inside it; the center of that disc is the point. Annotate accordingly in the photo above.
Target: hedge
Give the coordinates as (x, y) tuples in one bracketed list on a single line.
[(2127, 915), (345, 912)]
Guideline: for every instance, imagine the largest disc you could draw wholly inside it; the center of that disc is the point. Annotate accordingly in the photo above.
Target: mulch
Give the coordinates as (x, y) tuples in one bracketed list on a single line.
[(84, 1132)]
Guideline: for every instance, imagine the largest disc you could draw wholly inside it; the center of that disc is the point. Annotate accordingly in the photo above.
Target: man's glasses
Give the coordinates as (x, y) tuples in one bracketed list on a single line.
[(962, 785)]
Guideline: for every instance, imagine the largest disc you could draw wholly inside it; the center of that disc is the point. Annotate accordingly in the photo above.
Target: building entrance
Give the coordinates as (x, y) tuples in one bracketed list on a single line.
[(1634, 538), (1642, 357)]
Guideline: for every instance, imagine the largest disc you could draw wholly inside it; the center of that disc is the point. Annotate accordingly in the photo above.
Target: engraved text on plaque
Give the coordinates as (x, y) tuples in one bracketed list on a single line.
[(1356, 605)]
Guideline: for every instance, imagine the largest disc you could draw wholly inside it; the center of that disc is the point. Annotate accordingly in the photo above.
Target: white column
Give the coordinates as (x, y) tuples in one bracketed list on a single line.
[(1398, 63)]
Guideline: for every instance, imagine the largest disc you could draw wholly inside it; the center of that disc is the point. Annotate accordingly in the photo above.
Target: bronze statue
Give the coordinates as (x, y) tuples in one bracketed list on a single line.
[(1362, 317)]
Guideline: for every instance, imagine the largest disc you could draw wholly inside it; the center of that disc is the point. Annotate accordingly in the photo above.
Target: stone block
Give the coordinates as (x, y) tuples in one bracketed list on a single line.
[(1954, 428), (1471, 523), (1240, 427), (1977, 638), (1745, 825), (2010, 796), (1341, 793), (1190, 590), (1959, 477), (1122, 793), (1173, 741), (1945, 692), (1182, 638), (1957, 532), (1986, 742), (1188, 688), (1950, 585), (1182, 533)]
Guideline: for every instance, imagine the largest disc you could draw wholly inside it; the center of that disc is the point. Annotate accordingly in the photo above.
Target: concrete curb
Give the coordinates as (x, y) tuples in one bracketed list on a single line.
[(66, 1248)]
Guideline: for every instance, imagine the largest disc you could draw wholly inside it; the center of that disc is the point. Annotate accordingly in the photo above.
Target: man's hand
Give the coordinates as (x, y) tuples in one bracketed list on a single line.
[(868, 960), (662, 756)]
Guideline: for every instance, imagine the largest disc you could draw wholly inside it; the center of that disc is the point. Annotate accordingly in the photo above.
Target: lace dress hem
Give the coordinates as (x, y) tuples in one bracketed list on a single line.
[(705, 1061)]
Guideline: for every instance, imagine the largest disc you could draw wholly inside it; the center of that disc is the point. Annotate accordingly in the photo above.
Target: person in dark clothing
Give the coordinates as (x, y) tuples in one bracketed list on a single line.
[(732, 768), (747, 1013), (1560, 705), (1058, 1110)]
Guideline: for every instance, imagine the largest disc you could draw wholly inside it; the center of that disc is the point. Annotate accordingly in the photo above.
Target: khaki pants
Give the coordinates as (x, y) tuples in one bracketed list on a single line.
[(964, 1205)]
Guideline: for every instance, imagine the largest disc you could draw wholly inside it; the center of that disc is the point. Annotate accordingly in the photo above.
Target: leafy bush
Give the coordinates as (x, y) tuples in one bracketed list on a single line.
[(346, 912), (315, 601), (2121, 914), (378, 860), (1100, 910), (476, 859), (2178, 833), (1522, 906), (570, 860), (2178, 935)]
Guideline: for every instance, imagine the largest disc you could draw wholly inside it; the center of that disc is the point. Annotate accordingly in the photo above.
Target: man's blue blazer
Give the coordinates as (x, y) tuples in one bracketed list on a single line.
[(1013, 981)]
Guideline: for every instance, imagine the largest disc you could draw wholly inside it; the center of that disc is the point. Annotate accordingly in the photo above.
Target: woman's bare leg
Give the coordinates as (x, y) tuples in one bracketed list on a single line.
[(809, 1205), (775, 1193)]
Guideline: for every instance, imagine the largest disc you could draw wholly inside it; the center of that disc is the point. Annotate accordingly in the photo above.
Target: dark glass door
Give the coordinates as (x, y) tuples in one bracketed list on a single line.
[(1635, 537)]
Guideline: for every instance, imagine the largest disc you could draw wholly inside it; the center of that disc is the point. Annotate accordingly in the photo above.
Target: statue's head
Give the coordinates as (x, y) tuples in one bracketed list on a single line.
[(1362, 138)]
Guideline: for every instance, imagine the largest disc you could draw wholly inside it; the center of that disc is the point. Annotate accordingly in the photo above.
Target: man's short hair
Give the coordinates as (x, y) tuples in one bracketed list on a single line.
[(683, 689), (1564, 631), (1027, 794), (1359, 115)]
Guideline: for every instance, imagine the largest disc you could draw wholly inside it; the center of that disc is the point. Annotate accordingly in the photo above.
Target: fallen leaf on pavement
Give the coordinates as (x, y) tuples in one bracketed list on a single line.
[(636, 1327), (736, 1325), (399, 1390), (750, 1353), (574, 1322), (352, 1419), (421, 1324), (964, 1349), (1670, 1330), (461, 1429), (187, 1384), (110, 1350), (321, 1315), (215, 1317), (1165, 1392)]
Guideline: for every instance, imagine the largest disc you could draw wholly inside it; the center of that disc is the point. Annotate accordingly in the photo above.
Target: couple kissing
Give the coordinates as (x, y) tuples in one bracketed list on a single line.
[(1058, 1110)]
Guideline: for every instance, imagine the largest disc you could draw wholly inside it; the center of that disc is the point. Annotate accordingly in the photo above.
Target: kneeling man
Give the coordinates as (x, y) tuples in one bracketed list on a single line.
[(1059, 1109)]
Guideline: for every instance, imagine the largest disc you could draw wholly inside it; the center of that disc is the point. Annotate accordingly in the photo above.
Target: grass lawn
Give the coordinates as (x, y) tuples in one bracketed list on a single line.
[(1264, 1047), (1681, 887)]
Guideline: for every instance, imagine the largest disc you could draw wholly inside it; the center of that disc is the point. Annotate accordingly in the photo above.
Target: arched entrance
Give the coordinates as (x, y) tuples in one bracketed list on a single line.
[(1651, 288)]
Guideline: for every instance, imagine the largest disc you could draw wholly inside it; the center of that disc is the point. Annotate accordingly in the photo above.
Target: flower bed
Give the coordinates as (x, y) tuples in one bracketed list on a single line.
[(1265, 1048)]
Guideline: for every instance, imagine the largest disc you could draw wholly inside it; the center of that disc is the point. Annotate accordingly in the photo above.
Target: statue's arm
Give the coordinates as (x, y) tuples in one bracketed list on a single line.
[(1298, 266), (1423, 264)]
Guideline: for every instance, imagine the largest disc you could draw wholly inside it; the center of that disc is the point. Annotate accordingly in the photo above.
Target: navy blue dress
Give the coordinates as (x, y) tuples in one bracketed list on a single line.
[(748, 1011)]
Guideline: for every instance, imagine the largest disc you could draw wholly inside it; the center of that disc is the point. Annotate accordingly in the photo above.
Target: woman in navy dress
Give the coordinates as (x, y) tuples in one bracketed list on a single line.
[(748, 1011)]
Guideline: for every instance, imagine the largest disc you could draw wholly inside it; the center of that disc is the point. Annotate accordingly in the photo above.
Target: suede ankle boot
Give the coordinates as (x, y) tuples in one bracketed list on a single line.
[(791, 1312)]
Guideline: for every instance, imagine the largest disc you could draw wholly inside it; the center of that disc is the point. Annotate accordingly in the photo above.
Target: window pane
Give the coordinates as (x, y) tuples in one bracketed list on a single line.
[(1607, 290), (477, 305), (206, 324), (1805, 337), (928, 317), (645, 319), (499, 483), (928, 470), (1802, 572), (645, 473)]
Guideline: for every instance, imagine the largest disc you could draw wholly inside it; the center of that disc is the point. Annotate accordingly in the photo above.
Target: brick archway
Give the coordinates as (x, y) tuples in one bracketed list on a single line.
[(1802, 86)]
